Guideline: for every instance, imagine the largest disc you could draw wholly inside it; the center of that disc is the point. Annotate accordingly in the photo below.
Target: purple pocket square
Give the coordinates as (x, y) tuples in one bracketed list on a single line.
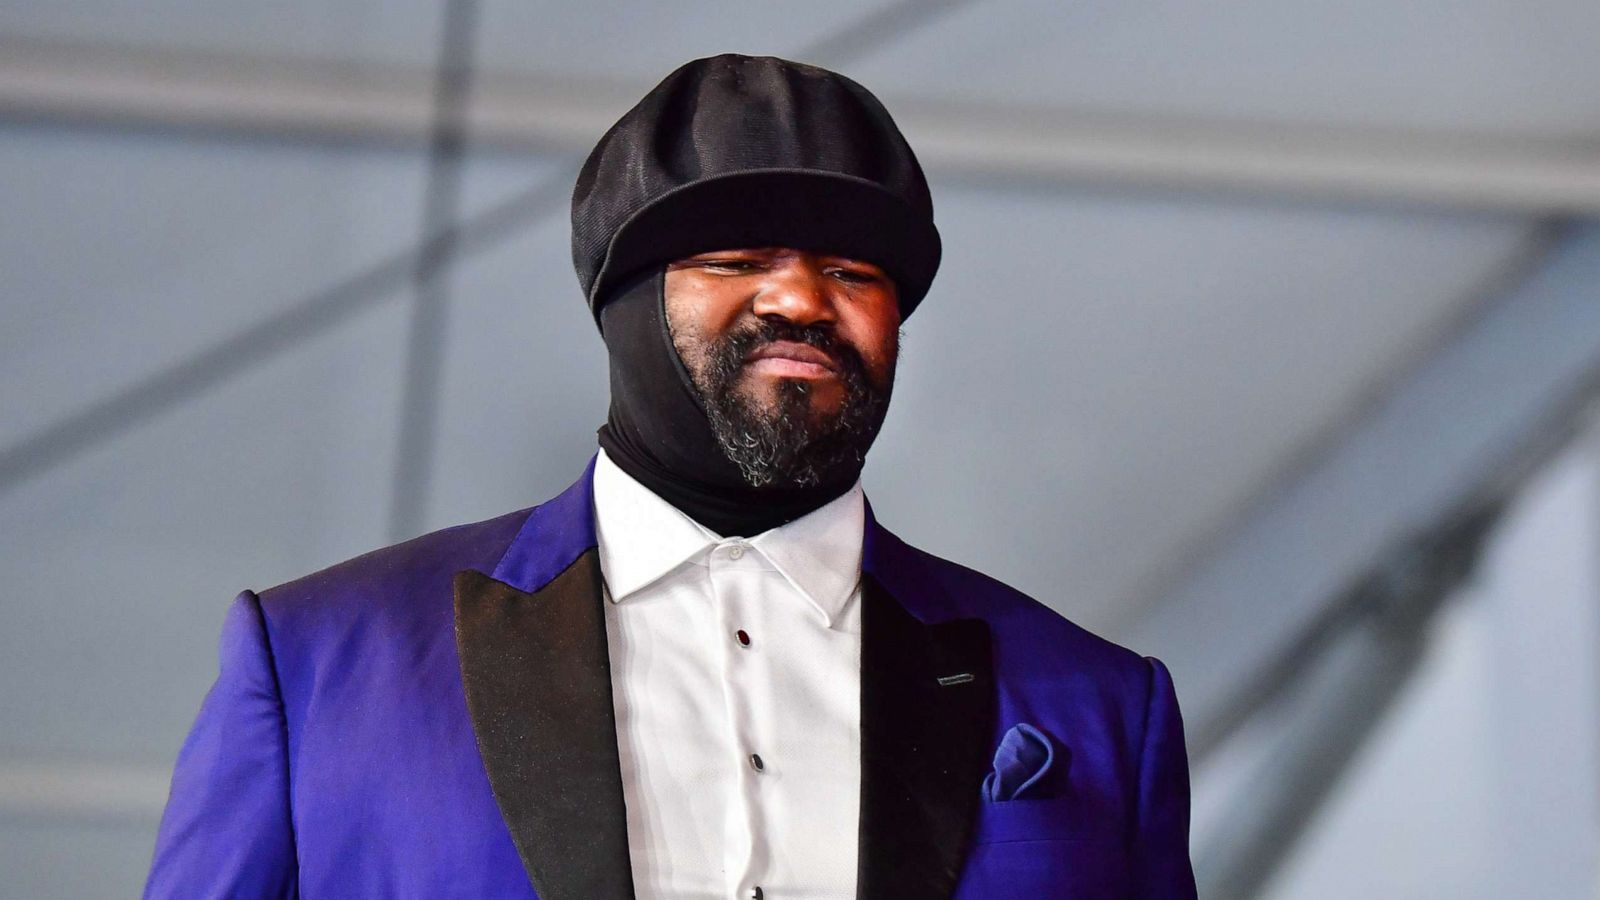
[(1025, 755)]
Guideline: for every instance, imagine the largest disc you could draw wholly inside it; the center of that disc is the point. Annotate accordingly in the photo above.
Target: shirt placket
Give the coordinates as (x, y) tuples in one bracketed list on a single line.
[(736, 575)]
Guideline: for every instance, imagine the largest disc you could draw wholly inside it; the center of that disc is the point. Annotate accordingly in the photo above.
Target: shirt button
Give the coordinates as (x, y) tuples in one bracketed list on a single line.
[(756, 763), (736, 551), (756, 894), (742, 638)]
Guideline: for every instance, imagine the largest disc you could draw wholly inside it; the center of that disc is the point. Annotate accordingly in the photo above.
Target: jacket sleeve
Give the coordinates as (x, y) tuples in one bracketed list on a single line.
[(1162, 870), (227, 831)]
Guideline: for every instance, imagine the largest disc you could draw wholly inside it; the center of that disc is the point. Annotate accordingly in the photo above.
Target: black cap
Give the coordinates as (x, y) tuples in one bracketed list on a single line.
[(753, 151)]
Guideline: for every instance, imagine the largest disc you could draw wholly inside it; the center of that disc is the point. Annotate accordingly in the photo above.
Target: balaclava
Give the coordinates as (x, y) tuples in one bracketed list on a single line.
[(658, 431), (726, 152)]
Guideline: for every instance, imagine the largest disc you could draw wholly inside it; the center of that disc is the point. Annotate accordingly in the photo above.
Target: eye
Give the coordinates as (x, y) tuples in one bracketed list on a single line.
[(854, 276), (728, 265)]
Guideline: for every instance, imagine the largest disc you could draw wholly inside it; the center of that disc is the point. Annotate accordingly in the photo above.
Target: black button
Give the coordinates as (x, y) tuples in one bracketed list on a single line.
[(744, 639), (756, 894), (756, 763)]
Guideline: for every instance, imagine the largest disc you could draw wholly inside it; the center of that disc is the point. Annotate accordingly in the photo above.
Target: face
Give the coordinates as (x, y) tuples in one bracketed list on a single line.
[(793, 354)]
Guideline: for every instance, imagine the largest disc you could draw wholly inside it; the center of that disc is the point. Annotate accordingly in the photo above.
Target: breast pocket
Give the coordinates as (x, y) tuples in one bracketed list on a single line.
[(1075, 817), (1063, 848)]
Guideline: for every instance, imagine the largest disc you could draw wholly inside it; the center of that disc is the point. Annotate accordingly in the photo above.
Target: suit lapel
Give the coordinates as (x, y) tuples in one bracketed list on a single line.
[(537, 677), (534, 665), (927, 711), (538, 686)]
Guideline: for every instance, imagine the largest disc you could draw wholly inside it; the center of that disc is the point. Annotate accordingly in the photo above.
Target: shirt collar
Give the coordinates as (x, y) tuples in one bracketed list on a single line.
[(643, 537)]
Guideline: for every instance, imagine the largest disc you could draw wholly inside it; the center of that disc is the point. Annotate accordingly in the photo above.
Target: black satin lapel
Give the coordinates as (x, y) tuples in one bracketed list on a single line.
[(538, 685), (927, 714)]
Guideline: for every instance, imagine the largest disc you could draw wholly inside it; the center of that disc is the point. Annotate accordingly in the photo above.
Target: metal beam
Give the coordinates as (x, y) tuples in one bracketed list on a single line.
[(1306, 619), (1324, 700), (115, 793), (1456, 435), (305, 100), (430, 302), (103, 420)]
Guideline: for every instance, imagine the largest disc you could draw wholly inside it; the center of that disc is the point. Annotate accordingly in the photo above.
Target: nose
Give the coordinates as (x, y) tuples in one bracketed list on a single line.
[(795, 289)]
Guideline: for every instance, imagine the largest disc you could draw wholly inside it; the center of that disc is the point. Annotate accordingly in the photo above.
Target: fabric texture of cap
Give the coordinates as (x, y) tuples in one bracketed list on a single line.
[(739, 151)]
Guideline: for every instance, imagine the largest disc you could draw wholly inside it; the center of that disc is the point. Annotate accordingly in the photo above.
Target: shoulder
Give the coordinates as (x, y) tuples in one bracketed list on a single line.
[(400, 575), (1026, 632), (362, 640)]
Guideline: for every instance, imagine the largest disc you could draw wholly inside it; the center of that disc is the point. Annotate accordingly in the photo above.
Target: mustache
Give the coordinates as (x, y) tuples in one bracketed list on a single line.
[(737, 347)]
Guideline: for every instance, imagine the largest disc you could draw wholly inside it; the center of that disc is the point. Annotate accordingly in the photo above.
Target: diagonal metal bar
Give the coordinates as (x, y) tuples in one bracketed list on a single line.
[(1334, 697), (104, 419), (156, 394), (1297, 541), (1451, 553), (1273, 617)]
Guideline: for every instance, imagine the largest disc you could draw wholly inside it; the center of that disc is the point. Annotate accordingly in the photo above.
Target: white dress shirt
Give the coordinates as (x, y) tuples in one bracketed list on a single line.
[(736, 678)]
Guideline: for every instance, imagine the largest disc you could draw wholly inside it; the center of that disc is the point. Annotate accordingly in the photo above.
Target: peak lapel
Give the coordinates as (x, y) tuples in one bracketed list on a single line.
[(538, 687), (927, 711)]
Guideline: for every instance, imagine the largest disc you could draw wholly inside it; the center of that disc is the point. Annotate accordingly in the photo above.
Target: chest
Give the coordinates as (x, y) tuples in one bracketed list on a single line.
[(738, 728)]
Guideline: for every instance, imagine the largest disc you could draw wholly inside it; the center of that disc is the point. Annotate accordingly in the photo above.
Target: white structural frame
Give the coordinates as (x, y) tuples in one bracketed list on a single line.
[(309, 100), (1447, 441)]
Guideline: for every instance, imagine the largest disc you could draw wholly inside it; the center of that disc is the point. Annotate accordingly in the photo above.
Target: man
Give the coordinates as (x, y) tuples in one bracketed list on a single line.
[(704, 670)]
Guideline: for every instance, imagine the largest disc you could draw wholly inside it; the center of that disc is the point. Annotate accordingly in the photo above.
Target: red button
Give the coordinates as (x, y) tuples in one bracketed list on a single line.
[(744, 639)]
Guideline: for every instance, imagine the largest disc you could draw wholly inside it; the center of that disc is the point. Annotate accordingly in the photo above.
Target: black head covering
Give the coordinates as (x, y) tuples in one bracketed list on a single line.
[(658, 432), (732, 151), (740, 151)]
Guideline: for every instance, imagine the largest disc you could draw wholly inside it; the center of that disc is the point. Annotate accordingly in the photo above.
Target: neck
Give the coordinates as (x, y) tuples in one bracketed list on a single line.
[(729, 510)]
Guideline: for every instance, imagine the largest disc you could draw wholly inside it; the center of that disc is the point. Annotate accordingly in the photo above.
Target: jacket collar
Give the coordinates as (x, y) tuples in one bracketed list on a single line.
[(536, 674), (643, 538), (555, 534), (559, 530)]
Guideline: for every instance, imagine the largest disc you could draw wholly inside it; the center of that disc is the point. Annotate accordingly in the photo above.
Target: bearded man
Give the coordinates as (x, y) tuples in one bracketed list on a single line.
[(705, 669)]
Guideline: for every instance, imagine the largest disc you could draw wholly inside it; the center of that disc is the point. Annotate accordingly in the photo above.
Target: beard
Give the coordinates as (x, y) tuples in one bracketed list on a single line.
[(784, 445)]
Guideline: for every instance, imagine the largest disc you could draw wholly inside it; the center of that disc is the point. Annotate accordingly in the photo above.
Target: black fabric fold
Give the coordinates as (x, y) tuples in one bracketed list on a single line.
[(537, 679), (928, 706), (658, 432)]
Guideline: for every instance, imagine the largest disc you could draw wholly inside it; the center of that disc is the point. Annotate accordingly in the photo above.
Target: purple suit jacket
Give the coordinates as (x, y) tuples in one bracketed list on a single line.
[(434, 720)]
